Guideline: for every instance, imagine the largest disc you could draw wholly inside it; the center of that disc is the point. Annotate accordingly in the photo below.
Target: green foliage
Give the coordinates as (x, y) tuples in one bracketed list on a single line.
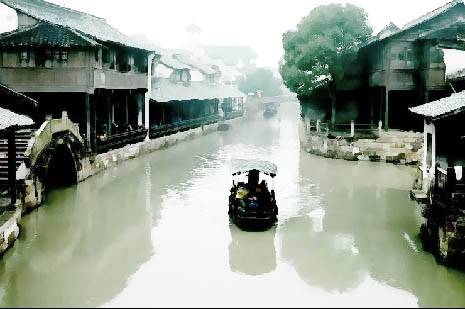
[(261, 79), (323, 46)]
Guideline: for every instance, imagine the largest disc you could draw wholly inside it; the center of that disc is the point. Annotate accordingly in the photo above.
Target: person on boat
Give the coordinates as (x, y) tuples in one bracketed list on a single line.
[(253, 178), (264, 192)]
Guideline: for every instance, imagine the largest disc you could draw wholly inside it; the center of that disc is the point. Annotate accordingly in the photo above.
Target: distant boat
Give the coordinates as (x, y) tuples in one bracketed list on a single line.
[(222, 126), (270, 110)]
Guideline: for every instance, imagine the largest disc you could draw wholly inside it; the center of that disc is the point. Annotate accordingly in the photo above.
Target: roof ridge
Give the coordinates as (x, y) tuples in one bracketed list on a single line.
[(20, 30), (17, 93), (413, 23), (82, 36), (68, 9), (437, 10), (46, 26), (95, 27)]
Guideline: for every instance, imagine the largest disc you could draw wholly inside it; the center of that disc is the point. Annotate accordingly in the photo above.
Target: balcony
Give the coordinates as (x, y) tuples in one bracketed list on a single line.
[(233, 115), (120, 140), (40, 79), (109, 79)]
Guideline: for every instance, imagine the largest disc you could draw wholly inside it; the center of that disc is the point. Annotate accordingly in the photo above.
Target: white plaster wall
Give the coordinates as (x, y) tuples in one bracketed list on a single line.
[(197, 76), (162, 71)]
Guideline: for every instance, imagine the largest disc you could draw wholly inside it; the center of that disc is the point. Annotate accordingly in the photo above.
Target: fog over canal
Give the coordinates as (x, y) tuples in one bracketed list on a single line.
[(155, 232)]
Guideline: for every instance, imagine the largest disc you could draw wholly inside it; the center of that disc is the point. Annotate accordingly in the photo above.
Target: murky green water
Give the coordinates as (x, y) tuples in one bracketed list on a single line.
[(155, 232)]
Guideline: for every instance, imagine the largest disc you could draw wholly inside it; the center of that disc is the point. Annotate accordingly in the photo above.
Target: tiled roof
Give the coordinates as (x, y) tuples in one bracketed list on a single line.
[(190, 61), (168, 60), (17, 102), (9, 119), (443, 107), (47, 35), (87, 24), (456, 75), (163, 90), (418, 21)]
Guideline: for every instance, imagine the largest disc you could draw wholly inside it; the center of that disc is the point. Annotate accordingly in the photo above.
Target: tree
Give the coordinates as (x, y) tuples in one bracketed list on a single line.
[(325, 43), (261, 79)]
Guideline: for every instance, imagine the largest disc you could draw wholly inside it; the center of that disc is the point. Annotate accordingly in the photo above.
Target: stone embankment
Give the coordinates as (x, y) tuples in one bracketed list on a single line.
[(95, 164), (392, 147), (9, 228)]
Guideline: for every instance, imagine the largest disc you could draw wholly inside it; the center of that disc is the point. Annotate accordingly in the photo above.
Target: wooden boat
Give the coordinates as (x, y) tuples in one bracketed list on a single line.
[(252, 203)]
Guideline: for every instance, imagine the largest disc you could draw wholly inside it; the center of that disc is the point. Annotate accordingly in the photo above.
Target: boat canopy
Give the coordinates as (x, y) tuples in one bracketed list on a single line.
[(239, 166)]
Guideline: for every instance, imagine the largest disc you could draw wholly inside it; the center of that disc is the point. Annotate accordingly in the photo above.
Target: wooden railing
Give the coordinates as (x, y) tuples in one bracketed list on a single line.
[(447, 189), (121, 140), (233, 115), (351, 129), (164, 130)]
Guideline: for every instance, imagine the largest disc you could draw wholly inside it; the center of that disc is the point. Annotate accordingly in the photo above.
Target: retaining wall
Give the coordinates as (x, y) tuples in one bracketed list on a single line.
[(391, 147)]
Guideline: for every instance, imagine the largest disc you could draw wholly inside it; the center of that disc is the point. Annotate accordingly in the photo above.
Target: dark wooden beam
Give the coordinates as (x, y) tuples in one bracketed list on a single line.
[(12, 164), (109, 114)]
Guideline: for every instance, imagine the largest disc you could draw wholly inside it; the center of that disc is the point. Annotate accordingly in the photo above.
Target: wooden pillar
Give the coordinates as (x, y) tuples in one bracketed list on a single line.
[(387, 82), (386, 111), (126, 110), (93, 127), (109, 114), (88, 120), (163, 116), (140, 109), (372, 107), (12, 164)]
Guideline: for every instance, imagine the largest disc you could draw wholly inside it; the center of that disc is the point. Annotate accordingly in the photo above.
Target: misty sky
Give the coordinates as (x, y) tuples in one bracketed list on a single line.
[(257, 23)]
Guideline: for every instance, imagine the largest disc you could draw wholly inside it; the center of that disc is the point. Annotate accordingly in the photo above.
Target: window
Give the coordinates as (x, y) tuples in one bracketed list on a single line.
[(409, 54), (402, 56), (56, 55), (48, 54), (406, 54), (24, 56), (176, 76), (108, 58), (185, 76), (60, 55), (63, 56)]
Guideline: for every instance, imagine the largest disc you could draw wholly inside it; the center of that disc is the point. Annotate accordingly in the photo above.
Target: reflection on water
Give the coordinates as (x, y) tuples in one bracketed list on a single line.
[(155, 232), (252, 253), (323, 259)]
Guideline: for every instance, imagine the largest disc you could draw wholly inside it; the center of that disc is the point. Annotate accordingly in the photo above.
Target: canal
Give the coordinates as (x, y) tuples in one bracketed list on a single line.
[(155, 232)]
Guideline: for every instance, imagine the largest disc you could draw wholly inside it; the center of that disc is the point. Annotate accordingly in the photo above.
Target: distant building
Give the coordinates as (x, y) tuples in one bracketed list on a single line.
[(187, 92), (242, 57)]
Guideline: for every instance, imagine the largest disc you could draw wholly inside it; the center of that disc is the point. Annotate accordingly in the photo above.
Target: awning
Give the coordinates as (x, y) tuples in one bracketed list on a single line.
[(9, 119), (442, 107), (239, 166)]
